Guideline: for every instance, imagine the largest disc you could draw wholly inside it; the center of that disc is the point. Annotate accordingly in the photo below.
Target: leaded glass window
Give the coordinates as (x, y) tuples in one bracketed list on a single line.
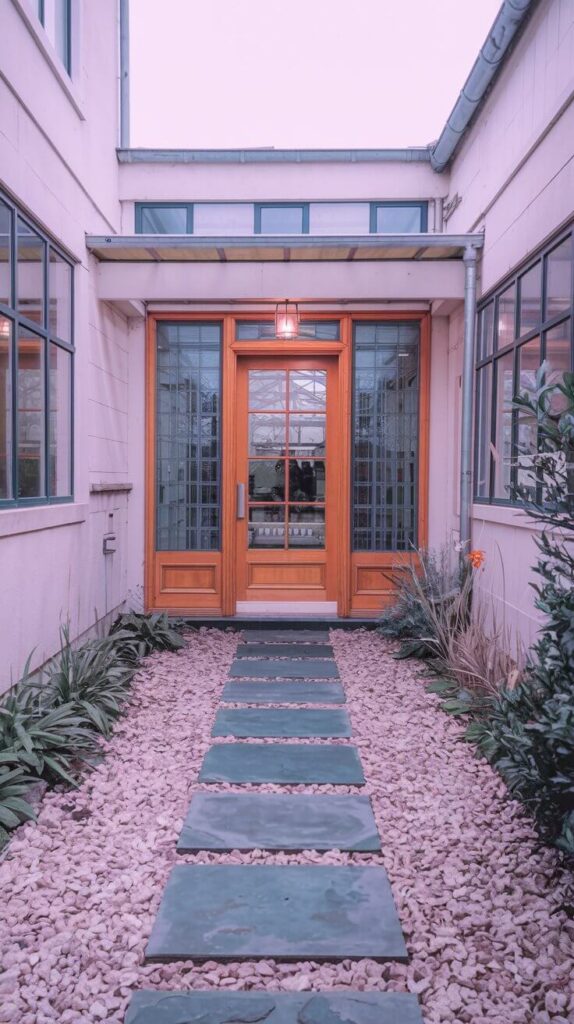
[(385, 436), (188, 437)]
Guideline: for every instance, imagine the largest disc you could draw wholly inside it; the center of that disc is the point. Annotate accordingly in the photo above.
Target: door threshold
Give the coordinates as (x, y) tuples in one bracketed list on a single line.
[(278, 609)]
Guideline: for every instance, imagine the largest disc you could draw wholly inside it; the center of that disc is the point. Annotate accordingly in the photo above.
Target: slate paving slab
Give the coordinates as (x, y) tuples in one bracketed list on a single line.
[(284, 651), (283, 723), (284, 763), (283, 636), (237, 912), (349, 1007), (283, 693), (267, 821), (284, 668)]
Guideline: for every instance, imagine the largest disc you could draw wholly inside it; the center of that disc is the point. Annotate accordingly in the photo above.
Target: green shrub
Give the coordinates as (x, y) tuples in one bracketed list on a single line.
[(136, 635), (529, 736), (14, 782)]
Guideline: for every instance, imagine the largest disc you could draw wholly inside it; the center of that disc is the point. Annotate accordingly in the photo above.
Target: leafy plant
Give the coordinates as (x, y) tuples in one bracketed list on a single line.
[(136, 634), (14, 782), (529, 736), (421, 585)]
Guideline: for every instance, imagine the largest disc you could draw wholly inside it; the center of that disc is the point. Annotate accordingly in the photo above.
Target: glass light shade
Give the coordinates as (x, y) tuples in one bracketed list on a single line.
[(286, 320)]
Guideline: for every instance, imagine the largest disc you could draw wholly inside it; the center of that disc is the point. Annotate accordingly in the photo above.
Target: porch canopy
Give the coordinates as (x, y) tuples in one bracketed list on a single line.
[(407, 267)]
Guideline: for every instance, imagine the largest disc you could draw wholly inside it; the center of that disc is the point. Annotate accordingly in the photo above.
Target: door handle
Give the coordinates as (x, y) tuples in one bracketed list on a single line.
[(240, 501)]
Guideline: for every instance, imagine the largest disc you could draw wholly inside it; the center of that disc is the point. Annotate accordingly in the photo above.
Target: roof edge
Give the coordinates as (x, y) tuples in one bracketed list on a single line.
[(414, 154)]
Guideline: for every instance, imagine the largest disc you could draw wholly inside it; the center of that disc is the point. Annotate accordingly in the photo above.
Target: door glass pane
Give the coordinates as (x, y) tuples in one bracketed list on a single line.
[(60, 422), (188, 437), (503, 439), (307, 389), (268, 389), (164, 220), (385, 436), (307, 435), (5, 255), (60, 293), (528, 364), (530, 299), (306, 480), (559, 279), (267, 433), (506, 316), (266, 527), (30, 415), (483, 409), (5, 408), (30, 276), (306, 527), (267, 480)]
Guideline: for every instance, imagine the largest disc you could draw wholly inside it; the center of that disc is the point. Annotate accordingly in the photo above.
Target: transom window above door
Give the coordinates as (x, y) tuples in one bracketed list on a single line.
[(287, 450)]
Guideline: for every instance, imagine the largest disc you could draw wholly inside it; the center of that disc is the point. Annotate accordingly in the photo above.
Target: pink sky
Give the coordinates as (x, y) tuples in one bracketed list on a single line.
[(299, 73)]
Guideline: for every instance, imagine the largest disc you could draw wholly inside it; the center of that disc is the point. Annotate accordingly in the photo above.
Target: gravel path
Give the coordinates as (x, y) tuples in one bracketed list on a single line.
[(81, 888)]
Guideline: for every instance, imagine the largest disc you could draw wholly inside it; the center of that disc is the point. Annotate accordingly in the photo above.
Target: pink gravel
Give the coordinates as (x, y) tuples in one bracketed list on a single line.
[(477, 901)]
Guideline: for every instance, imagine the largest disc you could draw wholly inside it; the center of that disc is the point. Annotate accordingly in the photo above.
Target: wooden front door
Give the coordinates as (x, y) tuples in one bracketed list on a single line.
[(287, 482)]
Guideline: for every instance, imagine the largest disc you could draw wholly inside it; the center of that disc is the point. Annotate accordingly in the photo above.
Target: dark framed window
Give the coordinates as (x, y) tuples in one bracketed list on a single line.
[(188, 436), (281, 218), (164, 218), (528, 320), (56, 18), (36, 364), (385, 436), (264, 330), (398, 218)]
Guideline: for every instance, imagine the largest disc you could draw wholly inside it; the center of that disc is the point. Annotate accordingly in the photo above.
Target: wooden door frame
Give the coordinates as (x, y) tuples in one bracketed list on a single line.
[(231, 352)]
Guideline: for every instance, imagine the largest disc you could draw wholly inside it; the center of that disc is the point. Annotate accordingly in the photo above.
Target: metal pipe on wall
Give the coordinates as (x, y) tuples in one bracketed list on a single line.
[(124, 74), (470, 258)]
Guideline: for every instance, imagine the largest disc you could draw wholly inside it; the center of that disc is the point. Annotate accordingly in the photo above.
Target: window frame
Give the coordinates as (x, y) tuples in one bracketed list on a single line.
[(540, 331), (164, 205), (422, 206), (67, 61), (259, 207), (42, 330)]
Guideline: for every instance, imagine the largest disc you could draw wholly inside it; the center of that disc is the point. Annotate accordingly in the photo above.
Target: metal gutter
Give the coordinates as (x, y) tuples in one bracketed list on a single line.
[(124, 73), (510, 19), (416, 154), (404, 241), (466, 417)]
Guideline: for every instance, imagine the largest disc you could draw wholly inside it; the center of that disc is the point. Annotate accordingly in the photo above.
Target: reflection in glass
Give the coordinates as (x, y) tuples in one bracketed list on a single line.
[(395, 220), (5, 409), (267, 434), (483, 409), (267, 480), (307, 389), (506, 315), (528, 364), (60, 293), (530, 299), (306, 527), (559, 279), (307, 435), (306, 480), (60, 421), (503, 439), (5, 255), (30, 416), (485, 331), (188, 439), (268, 389), (164, 220), (260, 330), (281, 220), (30, 275), (558, 356), (266, 527)]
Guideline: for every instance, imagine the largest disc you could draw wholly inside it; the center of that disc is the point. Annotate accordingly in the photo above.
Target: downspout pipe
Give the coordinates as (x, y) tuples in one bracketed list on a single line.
[(470, 266), (124, 74), (508, 21)]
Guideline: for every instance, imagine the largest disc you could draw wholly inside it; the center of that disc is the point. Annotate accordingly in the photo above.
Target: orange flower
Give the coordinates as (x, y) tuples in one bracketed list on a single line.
[(476, 558)]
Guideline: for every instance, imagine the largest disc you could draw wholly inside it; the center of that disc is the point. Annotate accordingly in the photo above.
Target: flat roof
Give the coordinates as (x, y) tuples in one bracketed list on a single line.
[(280, 249), (263, 155)]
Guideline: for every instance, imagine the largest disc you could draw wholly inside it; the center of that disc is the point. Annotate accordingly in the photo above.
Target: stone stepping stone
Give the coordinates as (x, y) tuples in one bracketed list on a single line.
[(237, 912), (283, 763), (284, 651), (348, 1007), (284, 723), (310, 668), (285, 636), (283, 693), (262, 821)]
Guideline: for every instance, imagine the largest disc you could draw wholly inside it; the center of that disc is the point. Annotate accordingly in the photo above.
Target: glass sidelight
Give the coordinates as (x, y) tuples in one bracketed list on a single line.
[(287, 447)]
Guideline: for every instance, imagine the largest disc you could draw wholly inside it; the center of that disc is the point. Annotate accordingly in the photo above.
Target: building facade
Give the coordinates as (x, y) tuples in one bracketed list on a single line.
[(243, 383)]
